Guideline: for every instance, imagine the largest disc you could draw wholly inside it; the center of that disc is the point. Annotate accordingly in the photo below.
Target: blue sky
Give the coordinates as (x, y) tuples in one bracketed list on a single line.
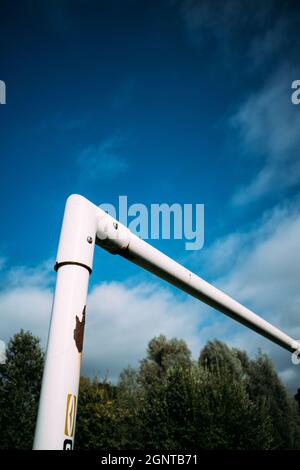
[(175, 101)]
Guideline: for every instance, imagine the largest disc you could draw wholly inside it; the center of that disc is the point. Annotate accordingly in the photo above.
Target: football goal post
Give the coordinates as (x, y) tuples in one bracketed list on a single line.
[(84, 226)]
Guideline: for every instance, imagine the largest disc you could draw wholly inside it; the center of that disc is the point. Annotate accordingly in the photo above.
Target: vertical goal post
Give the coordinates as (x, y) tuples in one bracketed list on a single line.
[(84, 226)]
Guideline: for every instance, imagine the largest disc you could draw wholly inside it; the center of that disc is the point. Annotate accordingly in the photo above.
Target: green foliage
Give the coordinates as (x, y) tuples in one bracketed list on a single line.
[(263, 382), (179, 396), (162, 395), (99, 416), (165, 354), (224, 401), (20, 382), (297, 398), (129, 397), (220, 359), (227, 418)]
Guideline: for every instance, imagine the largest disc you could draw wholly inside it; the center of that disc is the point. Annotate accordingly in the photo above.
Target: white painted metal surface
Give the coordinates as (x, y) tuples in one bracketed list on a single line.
[(59, 395), (83, 225), (143, 254), (55, 427)]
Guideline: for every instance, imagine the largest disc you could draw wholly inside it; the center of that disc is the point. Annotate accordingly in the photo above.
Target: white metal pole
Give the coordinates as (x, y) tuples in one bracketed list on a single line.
[(141, 253), (84, 225), (56, 421)]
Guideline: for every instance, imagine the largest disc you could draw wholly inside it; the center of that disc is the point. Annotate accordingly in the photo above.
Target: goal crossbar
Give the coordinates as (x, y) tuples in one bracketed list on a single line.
[(84, 226)]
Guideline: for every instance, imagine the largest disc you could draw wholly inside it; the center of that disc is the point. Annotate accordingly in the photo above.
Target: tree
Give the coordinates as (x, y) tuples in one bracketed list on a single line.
[(297, 398), (179, 395), (99, 417), (228, 417), (174, 403), (129, 397), (163, 354), (217, 357), (163, 357), (263, 382), (20, 383)]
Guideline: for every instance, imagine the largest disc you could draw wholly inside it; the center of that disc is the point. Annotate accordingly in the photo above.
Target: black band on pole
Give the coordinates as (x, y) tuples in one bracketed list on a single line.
[(64, 263)]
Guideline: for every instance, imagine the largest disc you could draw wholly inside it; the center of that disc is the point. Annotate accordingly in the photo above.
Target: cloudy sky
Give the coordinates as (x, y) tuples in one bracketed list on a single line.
[(174, 101)]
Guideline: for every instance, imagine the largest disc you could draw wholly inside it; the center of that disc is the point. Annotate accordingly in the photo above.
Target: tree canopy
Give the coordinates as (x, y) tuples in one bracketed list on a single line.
[(20, 383), (225, 400)]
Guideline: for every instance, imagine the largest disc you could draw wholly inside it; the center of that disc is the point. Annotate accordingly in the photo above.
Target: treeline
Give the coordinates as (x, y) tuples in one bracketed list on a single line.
[(225, 400)]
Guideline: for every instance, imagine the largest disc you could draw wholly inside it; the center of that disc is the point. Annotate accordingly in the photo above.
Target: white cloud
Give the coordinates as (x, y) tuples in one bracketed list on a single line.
[(268, 125), (261, 269), (121, 318), (25, 307), (2, 352), (2, 262), (25, 300), (267, 122), (32, 276), (103, 161)]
